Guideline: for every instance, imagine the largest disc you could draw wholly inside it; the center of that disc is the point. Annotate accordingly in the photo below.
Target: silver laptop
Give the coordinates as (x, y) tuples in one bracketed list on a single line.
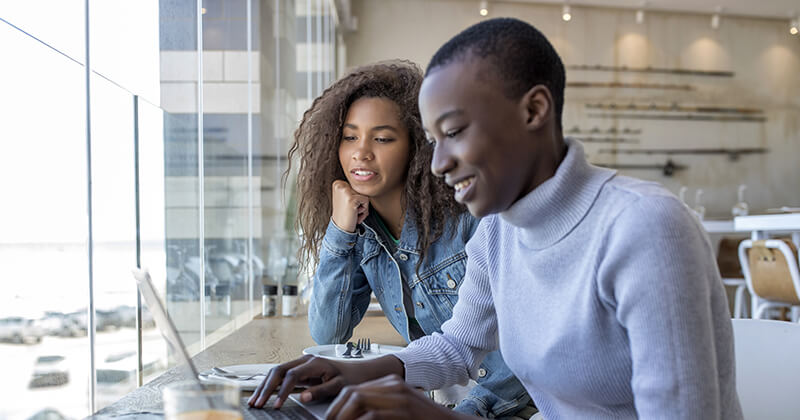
[(292, 408)]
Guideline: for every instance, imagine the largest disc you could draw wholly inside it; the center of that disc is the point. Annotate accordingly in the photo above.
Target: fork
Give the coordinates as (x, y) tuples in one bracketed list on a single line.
[(363, 345), (230, 375), (349, 352)]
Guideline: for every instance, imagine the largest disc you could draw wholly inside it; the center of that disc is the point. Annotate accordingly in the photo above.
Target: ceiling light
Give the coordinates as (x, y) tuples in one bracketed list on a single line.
[(640, 13), (566, 14), (484, 8), (794, 26), (715, 18), (640, 16)]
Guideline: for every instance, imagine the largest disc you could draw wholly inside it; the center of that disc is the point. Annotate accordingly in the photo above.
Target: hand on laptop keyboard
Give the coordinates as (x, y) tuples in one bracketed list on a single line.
[(323, 377)]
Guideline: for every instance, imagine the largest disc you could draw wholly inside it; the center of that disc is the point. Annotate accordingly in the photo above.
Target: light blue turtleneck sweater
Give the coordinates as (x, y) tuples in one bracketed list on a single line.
[(602, 293)]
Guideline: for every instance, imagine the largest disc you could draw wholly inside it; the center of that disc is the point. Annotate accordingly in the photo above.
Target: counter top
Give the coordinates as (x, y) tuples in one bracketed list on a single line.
[(262, 340)]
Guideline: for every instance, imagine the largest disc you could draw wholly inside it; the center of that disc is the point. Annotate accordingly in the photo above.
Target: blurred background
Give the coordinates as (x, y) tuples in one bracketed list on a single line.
[(154, 134)]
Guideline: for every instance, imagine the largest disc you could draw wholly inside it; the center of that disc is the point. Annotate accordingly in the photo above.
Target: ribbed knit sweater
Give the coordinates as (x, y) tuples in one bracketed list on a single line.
[(602, 293)]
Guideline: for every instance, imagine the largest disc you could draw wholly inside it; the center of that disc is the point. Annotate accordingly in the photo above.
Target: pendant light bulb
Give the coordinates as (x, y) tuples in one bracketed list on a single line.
[(640, 12), (715, 18), (484, 8)]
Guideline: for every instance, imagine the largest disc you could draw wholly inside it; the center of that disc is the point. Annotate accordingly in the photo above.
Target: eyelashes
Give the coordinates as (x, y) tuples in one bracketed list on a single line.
[(452, 133), (377, 139)]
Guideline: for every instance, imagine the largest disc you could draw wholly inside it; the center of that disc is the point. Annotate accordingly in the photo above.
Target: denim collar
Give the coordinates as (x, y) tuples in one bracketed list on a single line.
[(408, 237)]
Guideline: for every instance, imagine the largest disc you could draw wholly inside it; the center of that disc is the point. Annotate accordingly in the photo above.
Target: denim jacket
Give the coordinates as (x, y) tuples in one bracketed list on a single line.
[(353, 265)]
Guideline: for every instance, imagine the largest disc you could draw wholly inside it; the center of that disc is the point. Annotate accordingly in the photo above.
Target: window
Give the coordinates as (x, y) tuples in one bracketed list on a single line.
[(190, 108)]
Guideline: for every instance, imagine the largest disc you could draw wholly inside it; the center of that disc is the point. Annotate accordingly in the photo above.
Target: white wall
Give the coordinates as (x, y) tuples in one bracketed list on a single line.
[(763, 55)]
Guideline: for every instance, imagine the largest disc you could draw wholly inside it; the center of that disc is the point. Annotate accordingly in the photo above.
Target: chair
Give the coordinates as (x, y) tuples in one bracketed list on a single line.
[(767, 368), (770, 268), (731, 272)]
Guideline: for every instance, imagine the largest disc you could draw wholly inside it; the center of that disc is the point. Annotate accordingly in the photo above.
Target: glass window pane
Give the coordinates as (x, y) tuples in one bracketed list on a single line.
[(124, 44), (44, 351), (114, 233), (182, 226), (178, 83), (57, 23), (152, 228), (226, 103)]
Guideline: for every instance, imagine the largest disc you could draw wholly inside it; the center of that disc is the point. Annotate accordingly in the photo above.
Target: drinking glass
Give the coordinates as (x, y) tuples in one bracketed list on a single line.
[(189, 401), (740, 208)]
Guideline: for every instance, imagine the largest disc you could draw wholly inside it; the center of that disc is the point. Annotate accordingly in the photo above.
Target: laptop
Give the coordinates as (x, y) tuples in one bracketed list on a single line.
[(292, 409)]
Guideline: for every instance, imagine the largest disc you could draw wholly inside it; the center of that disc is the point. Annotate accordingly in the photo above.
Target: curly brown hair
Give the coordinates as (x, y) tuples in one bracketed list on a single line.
[(317, 139)]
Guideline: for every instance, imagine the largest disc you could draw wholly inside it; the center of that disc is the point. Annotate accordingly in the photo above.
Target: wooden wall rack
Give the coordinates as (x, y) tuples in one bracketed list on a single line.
[(677, 71), (615, 140), (668, 168), (624, 85), (674, 107), (597, 130), (685, 117), (733, 154)]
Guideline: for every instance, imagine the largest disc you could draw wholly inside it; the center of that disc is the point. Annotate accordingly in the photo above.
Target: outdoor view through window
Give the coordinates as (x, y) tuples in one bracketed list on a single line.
[(103, 176)]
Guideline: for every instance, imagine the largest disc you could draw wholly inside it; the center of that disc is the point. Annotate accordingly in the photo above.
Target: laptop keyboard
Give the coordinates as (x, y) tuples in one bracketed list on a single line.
[(290, 411)]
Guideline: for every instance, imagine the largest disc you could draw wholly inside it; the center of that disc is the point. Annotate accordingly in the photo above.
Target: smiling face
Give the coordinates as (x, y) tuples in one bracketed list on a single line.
[(374, 149), (487, 146)]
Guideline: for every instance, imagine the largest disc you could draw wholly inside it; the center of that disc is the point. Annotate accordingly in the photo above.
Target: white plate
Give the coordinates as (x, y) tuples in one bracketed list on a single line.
[(335, 351), (248, 385)]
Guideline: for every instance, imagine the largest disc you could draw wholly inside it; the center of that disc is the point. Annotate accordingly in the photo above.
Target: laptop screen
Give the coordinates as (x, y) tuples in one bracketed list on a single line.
[(291, 408)]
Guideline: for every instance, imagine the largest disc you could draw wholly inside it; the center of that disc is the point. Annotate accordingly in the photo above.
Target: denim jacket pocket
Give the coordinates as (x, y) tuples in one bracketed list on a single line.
[(441, 284), (446, 276)]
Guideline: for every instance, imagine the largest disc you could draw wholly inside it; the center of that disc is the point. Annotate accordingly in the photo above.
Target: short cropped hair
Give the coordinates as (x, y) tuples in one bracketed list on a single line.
[(522, 56)]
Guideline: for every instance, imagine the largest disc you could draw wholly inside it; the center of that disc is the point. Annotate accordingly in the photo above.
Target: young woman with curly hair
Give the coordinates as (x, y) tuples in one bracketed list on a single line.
[(374, 219)]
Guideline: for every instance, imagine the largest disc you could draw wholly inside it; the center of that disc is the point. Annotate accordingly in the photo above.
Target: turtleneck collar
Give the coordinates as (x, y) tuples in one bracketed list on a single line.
[(555, 207)]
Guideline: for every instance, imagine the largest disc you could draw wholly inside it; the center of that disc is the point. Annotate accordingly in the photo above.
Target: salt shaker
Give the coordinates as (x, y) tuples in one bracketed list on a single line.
[(269, 300), (289, 303)]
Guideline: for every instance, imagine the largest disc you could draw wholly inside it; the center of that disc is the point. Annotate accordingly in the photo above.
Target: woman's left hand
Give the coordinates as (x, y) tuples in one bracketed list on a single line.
[(389, 397)]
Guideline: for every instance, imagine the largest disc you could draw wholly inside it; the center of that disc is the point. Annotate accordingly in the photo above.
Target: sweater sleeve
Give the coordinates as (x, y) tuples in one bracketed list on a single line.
[(454, 356), (658, 273), (341, 292)]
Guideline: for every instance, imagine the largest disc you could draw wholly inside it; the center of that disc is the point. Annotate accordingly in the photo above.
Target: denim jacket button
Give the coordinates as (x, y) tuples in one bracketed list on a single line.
[(451, 284), (420, 304), (481, 372), (403, 257), (398, 308)]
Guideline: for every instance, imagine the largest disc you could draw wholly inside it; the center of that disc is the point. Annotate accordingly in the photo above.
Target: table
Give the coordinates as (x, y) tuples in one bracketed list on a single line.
[(763, 224), (718, 226), (758, 225), (788, 222), (262, 340)]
